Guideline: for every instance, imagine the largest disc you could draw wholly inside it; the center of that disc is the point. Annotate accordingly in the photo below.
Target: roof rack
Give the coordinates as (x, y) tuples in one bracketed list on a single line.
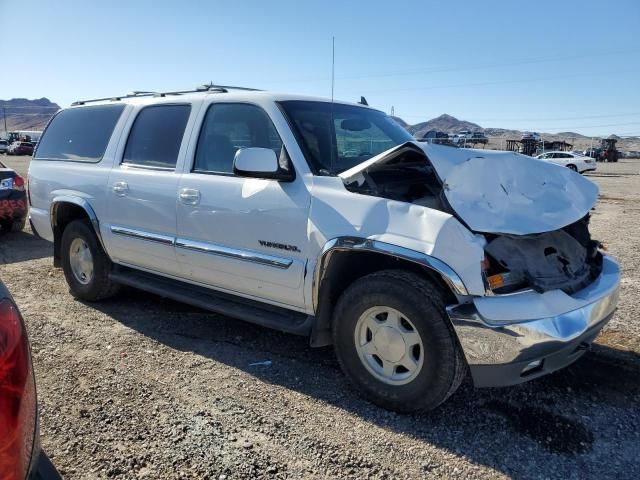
[(140, 93)]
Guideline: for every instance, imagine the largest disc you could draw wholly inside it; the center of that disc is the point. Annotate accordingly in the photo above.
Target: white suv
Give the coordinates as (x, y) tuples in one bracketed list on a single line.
[(418, 262)]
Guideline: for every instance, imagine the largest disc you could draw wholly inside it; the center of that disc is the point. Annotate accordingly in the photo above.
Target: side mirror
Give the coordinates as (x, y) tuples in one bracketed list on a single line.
[(257, 162)]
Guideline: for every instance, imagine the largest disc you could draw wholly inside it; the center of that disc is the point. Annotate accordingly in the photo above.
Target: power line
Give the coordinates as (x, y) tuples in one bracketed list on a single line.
[(594, 126), (550, 119), (482, 66), (482, 84), (458, 67)]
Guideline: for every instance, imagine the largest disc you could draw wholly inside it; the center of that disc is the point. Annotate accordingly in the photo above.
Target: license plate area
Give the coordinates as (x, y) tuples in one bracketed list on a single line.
[(6, 184)]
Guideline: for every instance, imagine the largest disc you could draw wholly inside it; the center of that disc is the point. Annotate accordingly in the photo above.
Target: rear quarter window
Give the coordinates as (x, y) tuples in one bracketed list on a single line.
[(79, 134)]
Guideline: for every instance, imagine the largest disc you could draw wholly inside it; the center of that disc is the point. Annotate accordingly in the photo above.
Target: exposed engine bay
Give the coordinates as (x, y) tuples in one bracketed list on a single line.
[(408, 178), (566, 258)]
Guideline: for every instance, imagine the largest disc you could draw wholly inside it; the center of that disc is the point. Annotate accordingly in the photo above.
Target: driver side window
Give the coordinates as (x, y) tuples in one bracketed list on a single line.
[(227, 128)]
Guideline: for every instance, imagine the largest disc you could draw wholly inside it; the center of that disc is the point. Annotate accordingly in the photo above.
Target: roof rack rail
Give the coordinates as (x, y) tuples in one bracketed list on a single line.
[(141, 93), (232, 87), (135, 93)]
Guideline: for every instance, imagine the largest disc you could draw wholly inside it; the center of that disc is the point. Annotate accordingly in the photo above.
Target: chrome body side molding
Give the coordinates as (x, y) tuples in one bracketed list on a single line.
[(237, 254), (142, 235), (449, 276), (205, 247)]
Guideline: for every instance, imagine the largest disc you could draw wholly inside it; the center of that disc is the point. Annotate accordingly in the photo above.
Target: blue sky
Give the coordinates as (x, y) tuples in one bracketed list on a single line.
[(544, 66)]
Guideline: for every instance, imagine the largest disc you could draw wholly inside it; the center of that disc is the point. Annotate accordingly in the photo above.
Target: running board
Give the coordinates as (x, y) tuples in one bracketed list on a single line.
[(230, 305)]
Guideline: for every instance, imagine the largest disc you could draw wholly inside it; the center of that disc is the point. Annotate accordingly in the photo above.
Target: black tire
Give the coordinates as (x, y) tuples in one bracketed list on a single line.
[(100, 285), (572, 167), (443, 368)]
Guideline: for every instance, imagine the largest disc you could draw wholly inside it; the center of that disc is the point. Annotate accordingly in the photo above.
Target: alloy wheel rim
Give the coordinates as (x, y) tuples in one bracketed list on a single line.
[(81, 261), (389, 345)]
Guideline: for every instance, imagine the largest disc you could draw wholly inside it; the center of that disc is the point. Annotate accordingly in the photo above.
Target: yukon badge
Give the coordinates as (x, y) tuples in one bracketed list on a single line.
[(281, 246)]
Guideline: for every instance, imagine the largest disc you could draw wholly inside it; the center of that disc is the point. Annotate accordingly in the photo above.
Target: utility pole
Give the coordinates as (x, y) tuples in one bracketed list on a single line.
[(4, 114)]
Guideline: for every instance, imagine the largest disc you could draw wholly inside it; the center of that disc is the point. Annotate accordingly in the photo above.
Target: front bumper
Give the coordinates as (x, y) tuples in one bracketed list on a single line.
[(503, 347)]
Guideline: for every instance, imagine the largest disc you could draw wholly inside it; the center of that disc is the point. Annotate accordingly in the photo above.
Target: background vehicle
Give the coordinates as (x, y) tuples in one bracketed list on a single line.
[(13, 200), (327, 219), (595, 153), (435, 136), (479, 137), (20, 454), (4, 146), (608, 148), (577, 163), (20, 148), (531, 136)]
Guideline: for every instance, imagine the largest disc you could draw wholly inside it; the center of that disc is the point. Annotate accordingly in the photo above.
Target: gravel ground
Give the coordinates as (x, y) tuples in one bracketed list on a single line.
[(143, 387)]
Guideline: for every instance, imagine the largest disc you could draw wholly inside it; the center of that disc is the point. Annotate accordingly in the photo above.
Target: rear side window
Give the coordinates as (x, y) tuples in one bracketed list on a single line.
[(79, 134), (156, 136)]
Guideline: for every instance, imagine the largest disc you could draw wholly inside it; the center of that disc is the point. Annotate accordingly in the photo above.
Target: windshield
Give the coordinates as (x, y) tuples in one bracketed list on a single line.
[(356, 133)]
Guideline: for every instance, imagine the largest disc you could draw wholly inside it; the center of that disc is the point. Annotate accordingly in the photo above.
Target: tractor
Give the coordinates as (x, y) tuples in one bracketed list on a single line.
[(608, 148)]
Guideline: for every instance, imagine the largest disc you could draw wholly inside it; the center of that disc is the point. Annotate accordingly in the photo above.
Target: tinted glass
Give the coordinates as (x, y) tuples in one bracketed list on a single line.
[(336, 137), (156, 136), (79, 134), (229, 127)]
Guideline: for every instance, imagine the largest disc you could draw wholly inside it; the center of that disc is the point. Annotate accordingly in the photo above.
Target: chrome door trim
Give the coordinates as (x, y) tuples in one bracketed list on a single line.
[(244, 255), (142, 235)]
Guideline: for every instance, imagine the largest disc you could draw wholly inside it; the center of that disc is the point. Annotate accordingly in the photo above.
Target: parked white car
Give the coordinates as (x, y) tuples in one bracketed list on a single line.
[(574, 161), (418, 262)]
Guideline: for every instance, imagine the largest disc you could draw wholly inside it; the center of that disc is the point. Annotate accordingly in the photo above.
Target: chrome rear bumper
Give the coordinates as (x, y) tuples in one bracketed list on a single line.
[(506, 351)]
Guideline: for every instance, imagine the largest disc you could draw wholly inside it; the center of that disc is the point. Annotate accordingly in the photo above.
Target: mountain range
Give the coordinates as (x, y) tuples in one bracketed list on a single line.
[(23, 114), (497, 136)]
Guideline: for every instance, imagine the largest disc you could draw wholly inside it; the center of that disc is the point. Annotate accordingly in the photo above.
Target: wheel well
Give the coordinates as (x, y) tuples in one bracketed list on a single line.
[(345, 268), (64, 213)]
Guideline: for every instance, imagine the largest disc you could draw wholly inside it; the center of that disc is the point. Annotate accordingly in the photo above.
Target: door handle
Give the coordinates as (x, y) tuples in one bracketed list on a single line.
[(189, 196), (120, 188)]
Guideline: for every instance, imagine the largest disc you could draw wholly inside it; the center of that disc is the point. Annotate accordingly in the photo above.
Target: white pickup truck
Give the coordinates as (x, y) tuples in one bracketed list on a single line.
[(418, 262)]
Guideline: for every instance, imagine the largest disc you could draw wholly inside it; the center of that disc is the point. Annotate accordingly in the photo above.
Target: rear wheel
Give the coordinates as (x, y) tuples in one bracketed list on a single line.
[(86, 266), (572, 167), (394, 342)]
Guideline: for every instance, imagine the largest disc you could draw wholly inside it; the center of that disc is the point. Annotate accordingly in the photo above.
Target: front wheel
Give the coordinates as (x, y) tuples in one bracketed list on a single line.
[(85, 264), (394, 342), (572, 167)]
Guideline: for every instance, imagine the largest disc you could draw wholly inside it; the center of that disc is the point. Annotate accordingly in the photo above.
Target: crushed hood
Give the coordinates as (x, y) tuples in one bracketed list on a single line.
[(496, 191)]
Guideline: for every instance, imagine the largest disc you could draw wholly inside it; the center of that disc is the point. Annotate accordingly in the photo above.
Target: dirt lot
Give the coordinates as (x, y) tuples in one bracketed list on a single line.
[(142, 387)]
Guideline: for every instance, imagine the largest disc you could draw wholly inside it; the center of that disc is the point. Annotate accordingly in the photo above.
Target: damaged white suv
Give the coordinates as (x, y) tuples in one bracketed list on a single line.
[(418, 262)]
